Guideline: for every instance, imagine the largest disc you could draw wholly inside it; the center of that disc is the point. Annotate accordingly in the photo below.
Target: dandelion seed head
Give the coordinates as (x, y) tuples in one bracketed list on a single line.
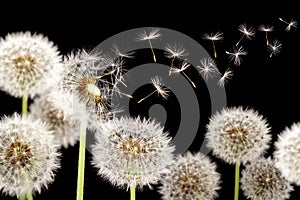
[(132, 151), (27, 61), (274, 48), (29, 157), (183, 67), (236, 55), (64, 123), (191, 176), (262, 180), (238, 134), (287, 153), (120, 53), (291, 24)]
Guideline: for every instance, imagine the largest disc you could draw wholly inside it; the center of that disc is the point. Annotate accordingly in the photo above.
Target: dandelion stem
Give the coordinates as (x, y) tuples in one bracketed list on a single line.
[(24, 104), (214, 47), (132, 192), (81, 162), (29, 196), (147, 96), (154, 57), (23, 197), (237, 180)]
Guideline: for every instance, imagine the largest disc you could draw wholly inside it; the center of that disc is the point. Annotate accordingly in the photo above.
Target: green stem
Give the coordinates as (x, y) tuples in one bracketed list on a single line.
[(23, 197), (132, 192), (237, 180), (81, 162), (29, 196), (24, 105)]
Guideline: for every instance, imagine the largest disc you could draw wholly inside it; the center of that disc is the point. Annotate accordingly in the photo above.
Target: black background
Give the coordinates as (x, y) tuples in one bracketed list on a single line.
[(268, 85)]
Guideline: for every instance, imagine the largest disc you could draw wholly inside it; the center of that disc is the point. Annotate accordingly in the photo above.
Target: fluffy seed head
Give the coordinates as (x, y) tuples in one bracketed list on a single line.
[(191, 176), (262, 180), (132, 151), (27, 62), (28, 156), (287, 153), (238, 134)]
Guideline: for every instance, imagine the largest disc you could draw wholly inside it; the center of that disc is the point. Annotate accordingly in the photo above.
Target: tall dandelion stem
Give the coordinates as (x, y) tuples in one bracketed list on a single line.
[(237, 180), (132, 192), (24, 104), (154, 57), (81, 162)]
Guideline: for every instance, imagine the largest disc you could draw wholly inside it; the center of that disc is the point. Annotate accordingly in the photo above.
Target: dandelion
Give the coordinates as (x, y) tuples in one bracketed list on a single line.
[(132, 152), (274, 48), (65, 123), (29, 157), (27, 62), (208, 68), (225, 77), (266, 29), (192, 176), (287, 153), (176, 51), (290, 24), (238, 135), (213, 37), (262, 180), (82, 78), (247, 32), (183, 67), (159, 88), (154, 34), (236, 55)]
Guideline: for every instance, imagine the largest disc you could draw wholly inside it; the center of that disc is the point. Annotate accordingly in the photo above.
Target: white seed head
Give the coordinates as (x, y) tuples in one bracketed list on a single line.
[(65, 126), (248, 31), (157, 83), (213, 36), (287, 153), (27, 63), (238, 134), (132, 151), (29, 156), (261, 180), (208, 68), (191, 176), (175, 51), (153, 34)]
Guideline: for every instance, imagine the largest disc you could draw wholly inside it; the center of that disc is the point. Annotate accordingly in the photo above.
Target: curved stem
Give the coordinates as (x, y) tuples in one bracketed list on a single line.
[(237, 180), (24, 105), (81, 162), (132, 192)]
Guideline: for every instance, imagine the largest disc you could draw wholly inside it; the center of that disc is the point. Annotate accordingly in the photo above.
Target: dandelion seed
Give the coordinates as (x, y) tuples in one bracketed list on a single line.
[(213, 37), (27, 62), (238, 134), (236, 55), (247, 31), (192, 176), (290, 24), (287, 153), (274, 48), (29, 156), (122, 55), (132, 152), (183, 67), (176, 51), (225, 77), (154, 34), (159, 88), (208, 68), (262, 180), (266, 29)]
